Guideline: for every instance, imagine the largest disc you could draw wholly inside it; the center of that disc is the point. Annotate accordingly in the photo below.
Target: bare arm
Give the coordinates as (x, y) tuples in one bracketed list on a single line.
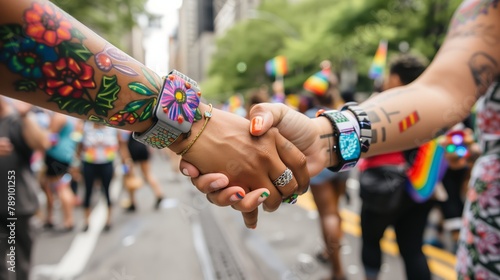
[(463, 69), (36, 137), (53, 61), (404, 117)]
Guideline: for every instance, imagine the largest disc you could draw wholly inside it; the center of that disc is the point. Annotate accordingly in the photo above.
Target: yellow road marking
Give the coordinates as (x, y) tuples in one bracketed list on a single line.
[(441, 262), (442, 270)]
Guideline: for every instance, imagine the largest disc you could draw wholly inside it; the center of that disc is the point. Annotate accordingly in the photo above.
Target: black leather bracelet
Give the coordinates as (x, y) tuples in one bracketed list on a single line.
[(365, 125)]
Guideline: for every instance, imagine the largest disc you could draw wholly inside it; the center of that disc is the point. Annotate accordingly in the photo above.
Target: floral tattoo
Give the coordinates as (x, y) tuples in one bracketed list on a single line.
[(48, 53)]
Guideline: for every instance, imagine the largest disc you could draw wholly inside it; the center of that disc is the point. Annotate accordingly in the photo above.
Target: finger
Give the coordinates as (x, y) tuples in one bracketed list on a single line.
[(281, 175), (273, 201), (252, 200), (210, 182), (294, 159), (188, 169), (265, 115), (250, 218), (227, 197)]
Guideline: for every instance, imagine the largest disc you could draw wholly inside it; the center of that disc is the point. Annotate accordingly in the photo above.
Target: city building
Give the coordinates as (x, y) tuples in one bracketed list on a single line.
[(200, 22)]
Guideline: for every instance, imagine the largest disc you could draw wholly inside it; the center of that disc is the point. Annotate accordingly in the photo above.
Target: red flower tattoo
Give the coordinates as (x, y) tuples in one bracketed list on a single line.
[(46, 25), (122, 117), (67, 77)]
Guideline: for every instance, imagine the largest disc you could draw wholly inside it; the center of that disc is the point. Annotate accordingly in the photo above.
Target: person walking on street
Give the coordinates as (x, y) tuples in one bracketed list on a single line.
[(20, 135)]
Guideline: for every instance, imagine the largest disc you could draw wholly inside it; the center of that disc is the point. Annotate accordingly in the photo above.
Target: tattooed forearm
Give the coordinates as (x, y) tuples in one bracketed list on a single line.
[(484, 71), (49, 53), (469, 10)]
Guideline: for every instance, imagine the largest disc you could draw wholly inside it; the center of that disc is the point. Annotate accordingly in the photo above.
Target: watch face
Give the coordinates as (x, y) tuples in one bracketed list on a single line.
[(178, 102), (350, 148)]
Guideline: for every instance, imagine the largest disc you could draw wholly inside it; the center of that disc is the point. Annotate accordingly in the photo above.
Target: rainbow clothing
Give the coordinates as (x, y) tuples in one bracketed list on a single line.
[(99, 144)]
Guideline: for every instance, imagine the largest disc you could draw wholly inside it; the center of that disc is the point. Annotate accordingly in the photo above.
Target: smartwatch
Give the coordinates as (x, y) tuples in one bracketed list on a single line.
[(347, 146), (175, 111)]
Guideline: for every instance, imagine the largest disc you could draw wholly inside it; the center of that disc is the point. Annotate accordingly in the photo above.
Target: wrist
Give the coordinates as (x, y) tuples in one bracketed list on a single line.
[(326, 141), (183, 141)]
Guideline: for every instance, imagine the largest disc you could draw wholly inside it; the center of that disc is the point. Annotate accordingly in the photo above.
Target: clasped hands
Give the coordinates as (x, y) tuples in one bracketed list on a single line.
[(236, 168)]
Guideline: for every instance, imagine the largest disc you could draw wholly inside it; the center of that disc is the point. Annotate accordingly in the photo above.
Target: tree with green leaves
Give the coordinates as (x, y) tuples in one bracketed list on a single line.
[(309, 31), (111, 18)]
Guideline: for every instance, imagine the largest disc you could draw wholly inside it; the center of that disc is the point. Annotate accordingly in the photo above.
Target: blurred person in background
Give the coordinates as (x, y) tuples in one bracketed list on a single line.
[(257, 96), (136, 153), (327, 186), (20, 136), (385, 201), (460, 158), (57, 162), (97, 152)]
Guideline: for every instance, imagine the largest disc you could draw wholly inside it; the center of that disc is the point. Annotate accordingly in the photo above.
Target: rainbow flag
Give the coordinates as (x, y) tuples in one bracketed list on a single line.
[(317, 83), (379, 60), (427, 169), (277, 66)]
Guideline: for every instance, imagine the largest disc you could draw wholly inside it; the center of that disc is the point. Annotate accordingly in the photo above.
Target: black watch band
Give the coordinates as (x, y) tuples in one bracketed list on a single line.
[(347, 145)]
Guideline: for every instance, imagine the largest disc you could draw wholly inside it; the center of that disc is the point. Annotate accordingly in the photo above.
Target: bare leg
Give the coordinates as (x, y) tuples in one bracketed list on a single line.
[(50, 201), (146, 171), (326, 197), (67, 200)]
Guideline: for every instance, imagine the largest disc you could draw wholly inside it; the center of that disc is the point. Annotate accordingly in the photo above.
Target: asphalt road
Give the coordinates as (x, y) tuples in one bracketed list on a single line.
[(190, 239)]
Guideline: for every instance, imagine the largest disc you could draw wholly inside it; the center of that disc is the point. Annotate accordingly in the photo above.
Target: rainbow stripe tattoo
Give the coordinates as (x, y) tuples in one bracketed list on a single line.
[(409, 121)]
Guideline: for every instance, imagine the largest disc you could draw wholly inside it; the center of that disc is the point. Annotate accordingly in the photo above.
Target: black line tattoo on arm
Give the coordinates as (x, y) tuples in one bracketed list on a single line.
[(484, 71)]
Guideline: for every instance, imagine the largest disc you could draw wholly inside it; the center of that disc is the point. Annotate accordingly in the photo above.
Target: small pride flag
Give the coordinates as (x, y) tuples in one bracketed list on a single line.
[(378, 65), (427, 169), (317, 83), (277, 66)]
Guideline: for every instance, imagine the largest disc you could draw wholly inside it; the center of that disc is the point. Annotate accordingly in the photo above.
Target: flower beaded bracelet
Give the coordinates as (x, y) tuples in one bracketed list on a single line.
[(348, 143)]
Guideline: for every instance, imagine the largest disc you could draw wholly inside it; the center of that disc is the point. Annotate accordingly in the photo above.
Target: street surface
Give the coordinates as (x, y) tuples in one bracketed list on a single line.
[(190, 239)]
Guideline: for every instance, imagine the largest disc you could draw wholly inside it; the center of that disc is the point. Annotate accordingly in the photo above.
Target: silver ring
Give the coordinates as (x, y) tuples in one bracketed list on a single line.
[(284, 178)]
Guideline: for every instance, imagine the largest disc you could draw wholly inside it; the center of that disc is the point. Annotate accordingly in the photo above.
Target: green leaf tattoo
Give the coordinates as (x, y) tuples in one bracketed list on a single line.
[(25, 85), (150, 79), (140, 88), (148, 110), (71, 105), (135, 105), (107, 94), (75, 50), (10, 31)]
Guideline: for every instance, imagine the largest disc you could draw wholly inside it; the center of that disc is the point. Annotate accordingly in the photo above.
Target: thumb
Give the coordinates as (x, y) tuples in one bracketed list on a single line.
[(188, 169), (263, 116)]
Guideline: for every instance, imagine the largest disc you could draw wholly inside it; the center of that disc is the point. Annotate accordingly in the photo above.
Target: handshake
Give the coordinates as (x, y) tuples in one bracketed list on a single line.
[(269, 166)]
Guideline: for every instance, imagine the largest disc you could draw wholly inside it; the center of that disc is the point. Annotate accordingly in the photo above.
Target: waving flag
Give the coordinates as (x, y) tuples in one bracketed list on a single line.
[(317, 83), (379, 60), (427, 169), (277, 66)]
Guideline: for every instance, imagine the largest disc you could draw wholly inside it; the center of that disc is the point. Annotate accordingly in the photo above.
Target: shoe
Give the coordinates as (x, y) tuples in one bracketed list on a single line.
[(67, 229), (107, 227), (131, 208), (322, 257), (85, 228), (48, 225), (158, 202)]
